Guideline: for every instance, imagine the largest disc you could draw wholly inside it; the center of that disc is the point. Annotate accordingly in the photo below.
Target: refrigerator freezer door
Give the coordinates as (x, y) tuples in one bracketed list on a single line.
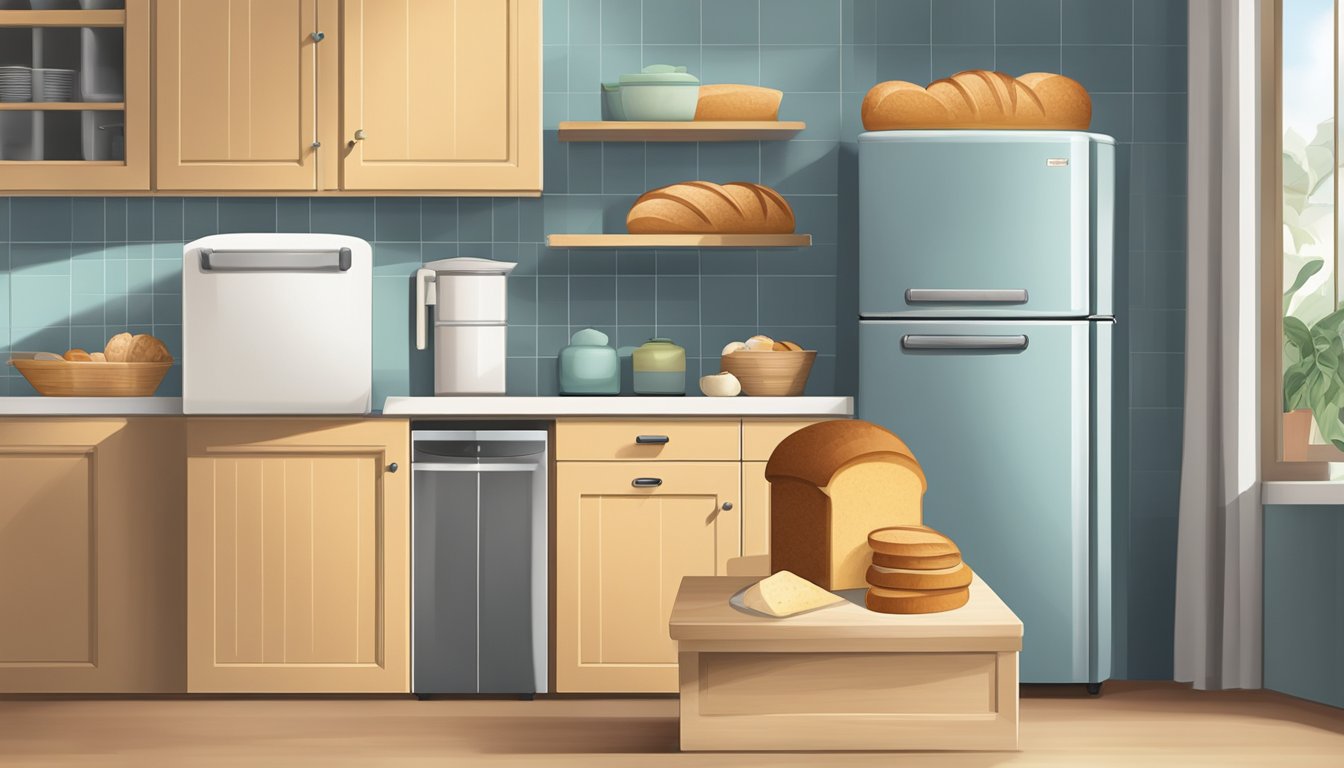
[(970, 224), (1005, 419)]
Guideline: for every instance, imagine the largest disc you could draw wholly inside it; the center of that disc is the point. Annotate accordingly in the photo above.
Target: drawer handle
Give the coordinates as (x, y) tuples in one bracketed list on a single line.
[(647, 482), (966, 296), (652, 440), (912, 341)]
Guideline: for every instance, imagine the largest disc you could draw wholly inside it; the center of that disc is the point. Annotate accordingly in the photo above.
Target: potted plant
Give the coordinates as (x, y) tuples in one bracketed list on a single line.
[(1313, 384)]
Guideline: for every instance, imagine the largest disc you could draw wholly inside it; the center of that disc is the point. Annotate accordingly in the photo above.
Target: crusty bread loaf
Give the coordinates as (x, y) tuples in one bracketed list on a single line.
[(738, 102), (147, 349), (885, 600), (117, 348), (77, 356), (909, 578), (704, 208), (979, 99)]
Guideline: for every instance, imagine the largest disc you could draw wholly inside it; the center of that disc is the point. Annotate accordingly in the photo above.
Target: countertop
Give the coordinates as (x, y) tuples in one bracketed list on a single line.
[(469, 407), (90, 406), (619, 406)]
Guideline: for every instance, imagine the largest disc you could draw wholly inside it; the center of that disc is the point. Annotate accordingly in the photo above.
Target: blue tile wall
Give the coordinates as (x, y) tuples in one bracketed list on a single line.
[(73, 271)]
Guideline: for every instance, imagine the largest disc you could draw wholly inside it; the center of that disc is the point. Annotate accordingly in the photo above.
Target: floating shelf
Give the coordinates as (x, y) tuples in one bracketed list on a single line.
[(704, 130), (62, 106), (679, 241), (113, 18)]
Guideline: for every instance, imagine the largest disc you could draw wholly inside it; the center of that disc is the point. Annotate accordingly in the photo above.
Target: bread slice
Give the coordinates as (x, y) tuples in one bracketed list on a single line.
[(911, 541), (907, 601), (910, 578), (786, 594), (933, 563)]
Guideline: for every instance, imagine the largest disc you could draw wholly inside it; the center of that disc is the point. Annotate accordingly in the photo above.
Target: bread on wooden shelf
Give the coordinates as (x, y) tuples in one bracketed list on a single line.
[(979, 98), (738, 102), (705, 208), (913, 578)]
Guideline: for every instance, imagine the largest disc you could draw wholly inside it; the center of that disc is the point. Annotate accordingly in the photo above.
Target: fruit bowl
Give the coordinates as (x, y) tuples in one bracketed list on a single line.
[(62, 378)]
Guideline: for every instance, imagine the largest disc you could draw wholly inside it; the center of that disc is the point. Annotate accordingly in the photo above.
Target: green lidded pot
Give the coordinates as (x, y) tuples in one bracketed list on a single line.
[(658, 92), (660, 368), (588, 366)]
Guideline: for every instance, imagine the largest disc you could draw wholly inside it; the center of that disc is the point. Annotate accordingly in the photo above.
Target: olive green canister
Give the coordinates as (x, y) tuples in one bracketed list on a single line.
[(660, 368)]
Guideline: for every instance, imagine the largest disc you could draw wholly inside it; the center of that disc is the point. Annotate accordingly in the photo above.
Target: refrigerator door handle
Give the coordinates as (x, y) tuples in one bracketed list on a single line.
[(964, 343), (966, 296)]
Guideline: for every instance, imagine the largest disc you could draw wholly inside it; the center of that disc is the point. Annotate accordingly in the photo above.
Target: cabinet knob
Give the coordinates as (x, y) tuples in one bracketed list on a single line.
[(392, 467), (318, 37), (727, 505), (315, 144), (360, 135)]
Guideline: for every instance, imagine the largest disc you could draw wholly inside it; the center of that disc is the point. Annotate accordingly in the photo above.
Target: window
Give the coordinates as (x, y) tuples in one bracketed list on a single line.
[(1312, 319)]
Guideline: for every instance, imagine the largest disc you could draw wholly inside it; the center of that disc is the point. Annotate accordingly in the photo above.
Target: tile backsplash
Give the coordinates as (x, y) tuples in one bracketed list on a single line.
[(72, 271)]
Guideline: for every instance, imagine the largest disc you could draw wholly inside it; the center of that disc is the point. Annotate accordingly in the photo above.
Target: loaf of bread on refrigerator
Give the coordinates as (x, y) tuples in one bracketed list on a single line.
[(979, 99), (831, 483), (738, 102), (705, 208)]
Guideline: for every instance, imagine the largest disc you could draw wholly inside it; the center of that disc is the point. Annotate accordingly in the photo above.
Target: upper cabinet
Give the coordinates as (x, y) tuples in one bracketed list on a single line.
[(273, 96), (236, 86), (442, 95), (75, 98)]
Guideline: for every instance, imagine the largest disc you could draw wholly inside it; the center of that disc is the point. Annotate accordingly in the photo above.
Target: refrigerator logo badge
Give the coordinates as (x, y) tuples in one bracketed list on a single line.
[(1056, 162)]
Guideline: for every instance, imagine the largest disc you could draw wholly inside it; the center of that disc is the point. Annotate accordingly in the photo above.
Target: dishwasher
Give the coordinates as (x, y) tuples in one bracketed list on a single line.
[(479, 559)]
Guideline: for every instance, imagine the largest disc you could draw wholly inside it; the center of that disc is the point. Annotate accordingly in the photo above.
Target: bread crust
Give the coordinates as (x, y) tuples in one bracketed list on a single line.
[(906, 601), (117, 348), (951, 578), (979, 99), (705, 208)]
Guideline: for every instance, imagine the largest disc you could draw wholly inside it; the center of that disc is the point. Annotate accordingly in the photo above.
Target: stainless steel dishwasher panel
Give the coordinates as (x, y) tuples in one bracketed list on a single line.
[(479, 592)]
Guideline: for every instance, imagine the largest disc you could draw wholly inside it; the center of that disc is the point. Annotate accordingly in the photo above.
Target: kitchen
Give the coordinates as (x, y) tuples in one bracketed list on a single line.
[(90, 252)]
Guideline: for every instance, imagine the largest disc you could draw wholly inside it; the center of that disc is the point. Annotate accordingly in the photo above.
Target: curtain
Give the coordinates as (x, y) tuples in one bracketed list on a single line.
[(1218, 562)]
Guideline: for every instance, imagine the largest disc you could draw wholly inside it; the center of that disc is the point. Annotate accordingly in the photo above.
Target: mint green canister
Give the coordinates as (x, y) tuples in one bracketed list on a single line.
[(588, 366), (660, 368)]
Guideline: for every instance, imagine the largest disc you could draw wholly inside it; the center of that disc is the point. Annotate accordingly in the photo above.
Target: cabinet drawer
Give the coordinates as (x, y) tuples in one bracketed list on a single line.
[(760, 436), (647, 440)]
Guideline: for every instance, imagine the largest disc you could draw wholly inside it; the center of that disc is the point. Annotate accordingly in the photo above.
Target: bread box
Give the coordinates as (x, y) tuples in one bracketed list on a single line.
[(831, 484)]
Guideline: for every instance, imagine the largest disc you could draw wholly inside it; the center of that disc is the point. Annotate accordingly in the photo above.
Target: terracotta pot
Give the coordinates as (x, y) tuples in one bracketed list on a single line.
[(1296, 434)]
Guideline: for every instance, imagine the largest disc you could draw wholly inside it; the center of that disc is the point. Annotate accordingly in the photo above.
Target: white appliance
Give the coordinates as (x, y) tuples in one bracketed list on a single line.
[(470, 300), (985, 342), (277, 323)]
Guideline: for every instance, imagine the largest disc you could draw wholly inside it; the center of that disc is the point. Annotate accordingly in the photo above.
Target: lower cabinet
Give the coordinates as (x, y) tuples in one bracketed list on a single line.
[(621, 551), (92, 557), (298, 555)]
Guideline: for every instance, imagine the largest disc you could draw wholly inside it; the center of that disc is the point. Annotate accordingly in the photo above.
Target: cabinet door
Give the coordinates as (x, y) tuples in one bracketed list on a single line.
[(96, 138), (442, 95), (297, 556), (91, 556), (756, 515), (621, 552), (236, 95)]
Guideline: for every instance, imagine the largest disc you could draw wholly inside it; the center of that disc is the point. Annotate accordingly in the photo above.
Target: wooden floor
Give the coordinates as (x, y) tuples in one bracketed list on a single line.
[(1131, 724)]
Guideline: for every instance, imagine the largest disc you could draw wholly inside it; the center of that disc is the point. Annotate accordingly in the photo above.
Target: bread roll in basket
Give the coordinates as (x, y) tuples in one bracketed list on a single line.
[(979, 99), (705, 208)]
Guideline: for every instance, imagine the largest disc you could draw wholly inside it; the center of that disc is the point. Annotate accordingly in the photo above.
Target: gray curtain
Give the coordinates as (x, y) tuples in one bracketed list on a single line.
[(1218, 567)]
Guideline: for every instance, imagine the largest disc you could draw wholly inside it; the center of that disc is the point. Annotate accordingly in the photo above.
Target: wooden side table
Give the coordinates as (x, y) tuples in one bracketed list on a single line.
[(844, 677)]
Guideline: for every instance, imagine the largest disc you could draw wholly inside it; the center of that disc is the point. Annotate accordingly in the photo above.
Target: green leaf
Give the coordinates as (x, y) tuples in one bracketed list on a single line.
[(1304, 274), (1297, 334)]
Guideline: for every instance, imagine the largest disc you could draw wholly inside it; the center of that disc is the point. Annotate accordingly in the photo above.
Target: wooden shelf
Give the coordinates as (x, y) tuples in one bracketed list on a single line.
[(679, 241), (62, 106), (705, 130), (115, 18)]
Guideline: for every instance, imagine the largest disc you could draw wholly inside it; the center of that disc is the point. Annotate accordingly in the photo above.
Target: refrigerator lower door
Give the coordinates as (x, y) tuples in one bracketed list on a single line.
[(1011, 424)]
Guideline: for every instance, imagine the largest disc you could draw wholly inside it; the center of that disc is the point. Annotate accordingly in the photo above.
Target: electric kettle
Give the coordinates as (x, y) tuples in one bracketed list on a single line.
[(470, 300)]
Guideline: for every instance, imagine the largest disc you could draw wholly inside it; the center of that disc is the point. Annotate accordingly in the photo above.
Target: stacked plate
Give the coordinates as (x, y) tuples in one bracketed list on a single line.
[(16, 84), (53, 84)]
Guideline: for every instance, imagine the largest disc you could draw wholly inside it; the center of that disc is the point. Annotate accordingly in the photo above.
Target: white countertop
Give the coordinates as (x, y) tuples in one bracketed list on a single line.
[(90, 406), (1291, 492), (619, 406)]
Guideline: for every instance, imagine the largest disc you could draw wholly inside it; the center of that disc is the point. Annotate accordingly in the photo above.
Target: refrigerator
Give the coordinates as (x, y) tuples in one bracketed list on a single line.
[(985, 343)]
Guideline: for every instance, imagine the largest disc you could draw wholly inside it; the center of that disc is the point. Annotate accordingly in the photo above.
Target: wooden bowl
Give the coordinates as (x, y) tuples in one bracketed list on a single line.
[(770, 374), (62, 378)]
